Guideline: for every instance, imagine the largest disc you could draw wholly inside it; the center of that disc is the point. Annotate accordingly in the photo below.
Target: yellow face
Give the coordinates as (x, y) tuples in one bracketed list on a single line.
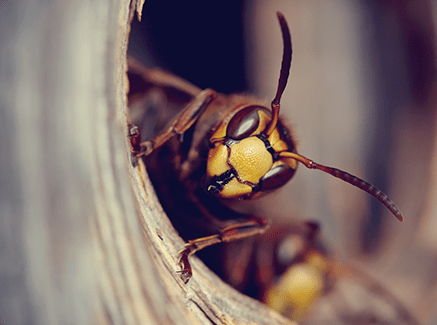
[(243, 162)]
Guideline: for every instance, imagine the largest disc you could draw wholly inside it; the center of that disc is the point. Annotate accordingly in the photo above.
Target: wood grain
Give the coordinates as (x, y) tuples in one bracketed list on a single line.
[(83, 237)]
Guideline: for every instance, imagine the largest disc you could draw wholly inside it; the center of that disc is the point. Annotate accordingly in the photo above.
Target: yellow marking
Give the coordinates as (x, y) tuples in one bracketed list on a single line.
[(220, 132), (295, 294), (250, 159), (264, 119), (234, 189), (217, 161), (276, 142)]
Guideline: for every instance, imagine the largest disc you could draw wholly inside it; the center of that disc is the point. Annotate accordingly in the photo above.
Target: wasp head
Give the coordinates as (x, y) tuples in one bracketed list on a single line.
[(244, 160), (252, 152)]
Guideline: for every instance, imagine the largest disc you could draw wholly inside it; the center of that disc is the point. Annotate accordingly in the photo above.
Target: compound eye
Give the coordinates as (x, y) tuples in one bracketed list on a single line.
[(276, 177), (244, 123)]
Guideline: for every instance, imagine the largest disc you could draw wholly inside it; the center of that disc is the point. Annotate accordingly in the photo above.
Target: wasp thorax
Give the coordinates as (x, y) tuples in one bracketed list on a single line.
[(243, 160)]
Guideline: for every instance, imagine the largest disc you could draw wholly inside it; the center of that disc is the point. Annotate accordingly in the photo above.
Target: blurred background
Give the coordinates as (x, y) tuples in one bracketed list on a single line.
[(361, 97)]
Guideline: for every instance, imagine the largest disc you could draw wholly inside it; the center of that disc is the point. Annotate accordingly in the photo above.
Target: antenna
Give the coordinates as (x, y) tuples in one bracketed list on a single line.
[(285, 71), (351, 179)]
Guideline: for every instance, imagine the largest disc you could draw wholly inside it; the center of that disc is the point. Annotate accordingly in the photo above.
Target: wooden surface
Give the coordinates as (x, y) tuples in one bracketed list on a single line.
[(82, 236)]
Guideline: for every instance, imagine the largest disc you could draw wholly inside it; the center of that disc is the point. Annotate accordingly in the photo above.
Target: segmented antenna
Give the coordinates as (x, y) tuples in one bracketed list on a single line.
[(285, 71), (351, 179)]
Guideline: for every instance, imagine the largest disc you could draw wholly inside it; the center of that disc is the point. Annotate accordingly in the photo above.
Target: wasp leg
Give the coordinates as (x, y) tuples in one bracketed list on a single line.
[(254, 226), (182, 123), (135, 138), (147, 77)]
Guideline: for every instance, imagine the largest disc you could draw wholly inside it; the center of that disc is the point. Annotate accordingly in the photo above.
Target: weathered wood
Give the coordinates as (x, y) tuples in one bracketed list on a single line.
[(83, 238)]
